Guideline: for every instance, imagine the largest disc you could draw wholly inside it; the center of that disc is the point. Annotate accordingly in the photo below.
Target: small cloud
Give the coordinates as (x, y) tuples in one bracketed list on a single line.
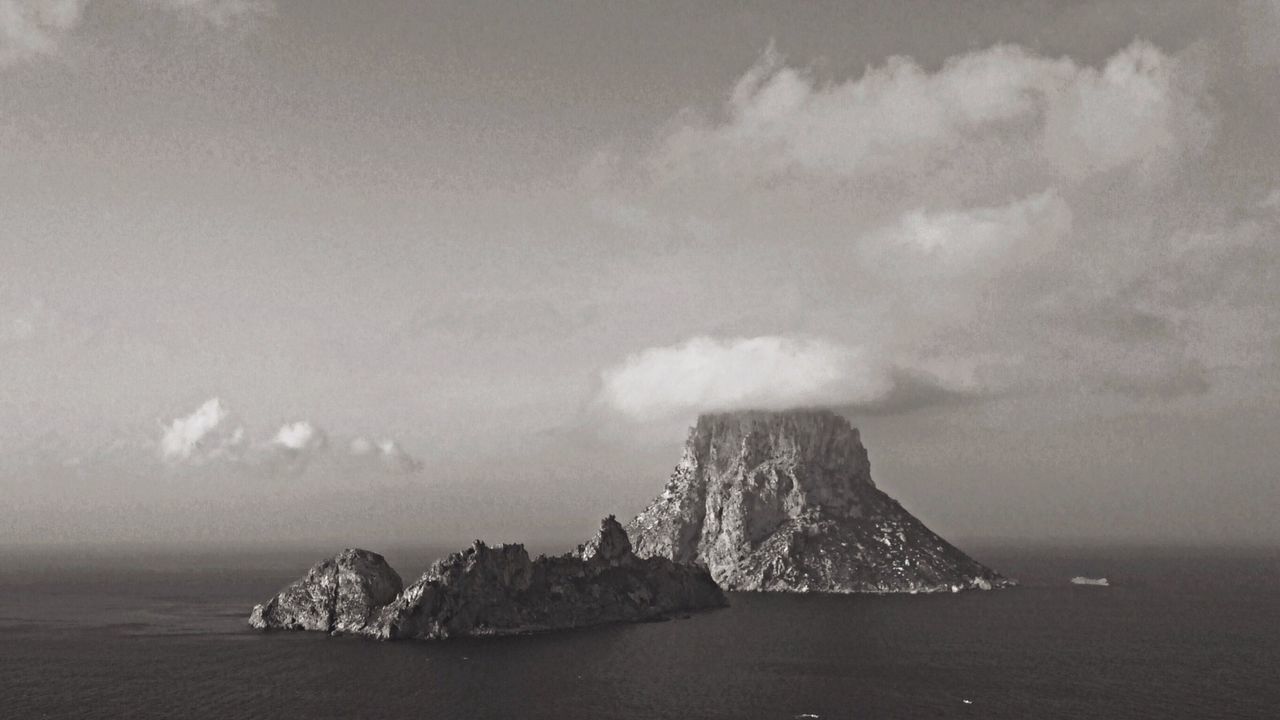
[(210, 434), (981, 239), (385, 451), (292, 450), (205, 434), (300, 436), (395, 457)]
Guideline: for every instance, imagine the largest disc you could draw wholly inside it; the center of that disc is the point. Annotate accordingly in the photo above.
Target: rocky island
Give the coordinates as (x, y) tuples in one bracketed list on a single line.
[(1097, 582), (490, 591), (760, 501), (784, 501)]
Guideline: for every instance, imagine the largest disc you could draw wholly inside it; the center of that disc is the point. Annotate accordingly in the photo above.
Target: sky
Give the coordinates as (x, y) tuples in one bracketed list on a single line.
[(414, 272)]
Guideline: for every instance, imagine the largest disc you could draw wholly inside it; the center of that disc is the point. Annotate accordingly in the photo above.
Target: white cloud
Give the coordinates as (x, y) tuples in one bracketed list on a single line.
[(767, 372), (300, 436), (302, 446), (211, 436), (931, 271), (395, 457), (1003, 108), (934, 268), (291, 451), (967, 303), (1005, 222), (975, 240), (30, 28), (205, 434)]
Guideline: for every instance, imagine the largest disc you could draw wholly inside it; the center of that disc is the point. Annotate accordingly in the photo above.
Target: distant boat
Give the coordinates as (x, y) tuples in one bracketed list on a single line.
[(1082, 580)]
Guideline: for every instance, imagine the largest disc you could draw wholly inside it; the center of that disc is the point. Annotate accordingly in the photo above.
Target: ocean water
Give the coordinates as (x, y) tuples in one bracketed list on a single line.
[(1180, 634)]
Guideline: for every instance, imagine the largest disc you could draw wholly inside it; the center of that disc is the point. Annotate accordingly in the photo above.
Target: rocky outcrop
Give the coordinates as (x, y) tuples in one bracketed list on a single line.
[(500, 590), (345, 594), (1097, 582), (784, 501)]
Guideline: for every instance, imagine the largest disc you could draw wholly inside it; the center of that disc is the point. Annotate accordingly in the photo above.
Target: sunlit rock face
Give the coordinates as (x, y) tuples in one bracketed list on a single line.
[(784, 501), (345, 594), (487, 590)]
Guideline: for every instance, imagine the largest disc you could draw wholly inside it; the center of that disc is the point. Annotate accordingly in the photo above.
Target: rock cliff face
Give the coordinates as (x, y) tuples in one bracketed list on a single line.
[(498, 591), (784, 501), (342, 594)]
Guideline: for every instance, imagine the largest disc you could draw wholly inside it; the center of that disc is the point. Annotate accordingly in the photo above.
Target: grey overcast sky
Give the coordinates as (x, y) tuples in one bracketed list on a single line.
[(390, 271)]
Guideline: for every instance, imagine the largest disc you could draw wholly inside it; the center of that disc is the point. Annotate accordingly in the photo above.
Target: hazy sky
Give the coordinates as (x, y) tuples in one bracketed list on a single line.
[(402, 271)]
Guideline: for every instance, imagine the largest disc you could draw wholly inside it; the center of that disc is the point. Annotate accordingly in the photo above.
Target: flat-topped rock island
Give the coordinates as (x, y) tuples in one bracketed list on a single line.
[(784, 502)]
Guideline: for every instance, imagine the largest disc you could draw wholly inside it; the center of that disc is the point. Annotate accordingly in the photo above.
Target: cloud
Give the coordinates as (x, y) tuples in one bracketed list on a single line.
[(31, 28), (961, 304), (706, 374), (767, 372), (912, 390), (206, 434), (932, 269), (973, 241), (1004, 223), (210, 436), (395, 457), (1001, 108), (300, 436), (303, 447), (291, 451)]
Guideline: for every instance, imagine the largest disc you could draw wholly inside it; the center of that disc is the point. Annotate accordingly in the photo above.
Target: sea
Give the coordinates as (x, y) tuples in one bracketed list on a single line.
[(1179, 633)]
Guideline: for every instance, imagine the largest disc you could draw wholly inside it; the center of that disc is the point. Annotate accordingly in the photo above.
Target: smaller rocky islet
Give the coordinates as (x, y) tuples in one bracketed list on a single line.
[(487, 590), (342, 594)]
